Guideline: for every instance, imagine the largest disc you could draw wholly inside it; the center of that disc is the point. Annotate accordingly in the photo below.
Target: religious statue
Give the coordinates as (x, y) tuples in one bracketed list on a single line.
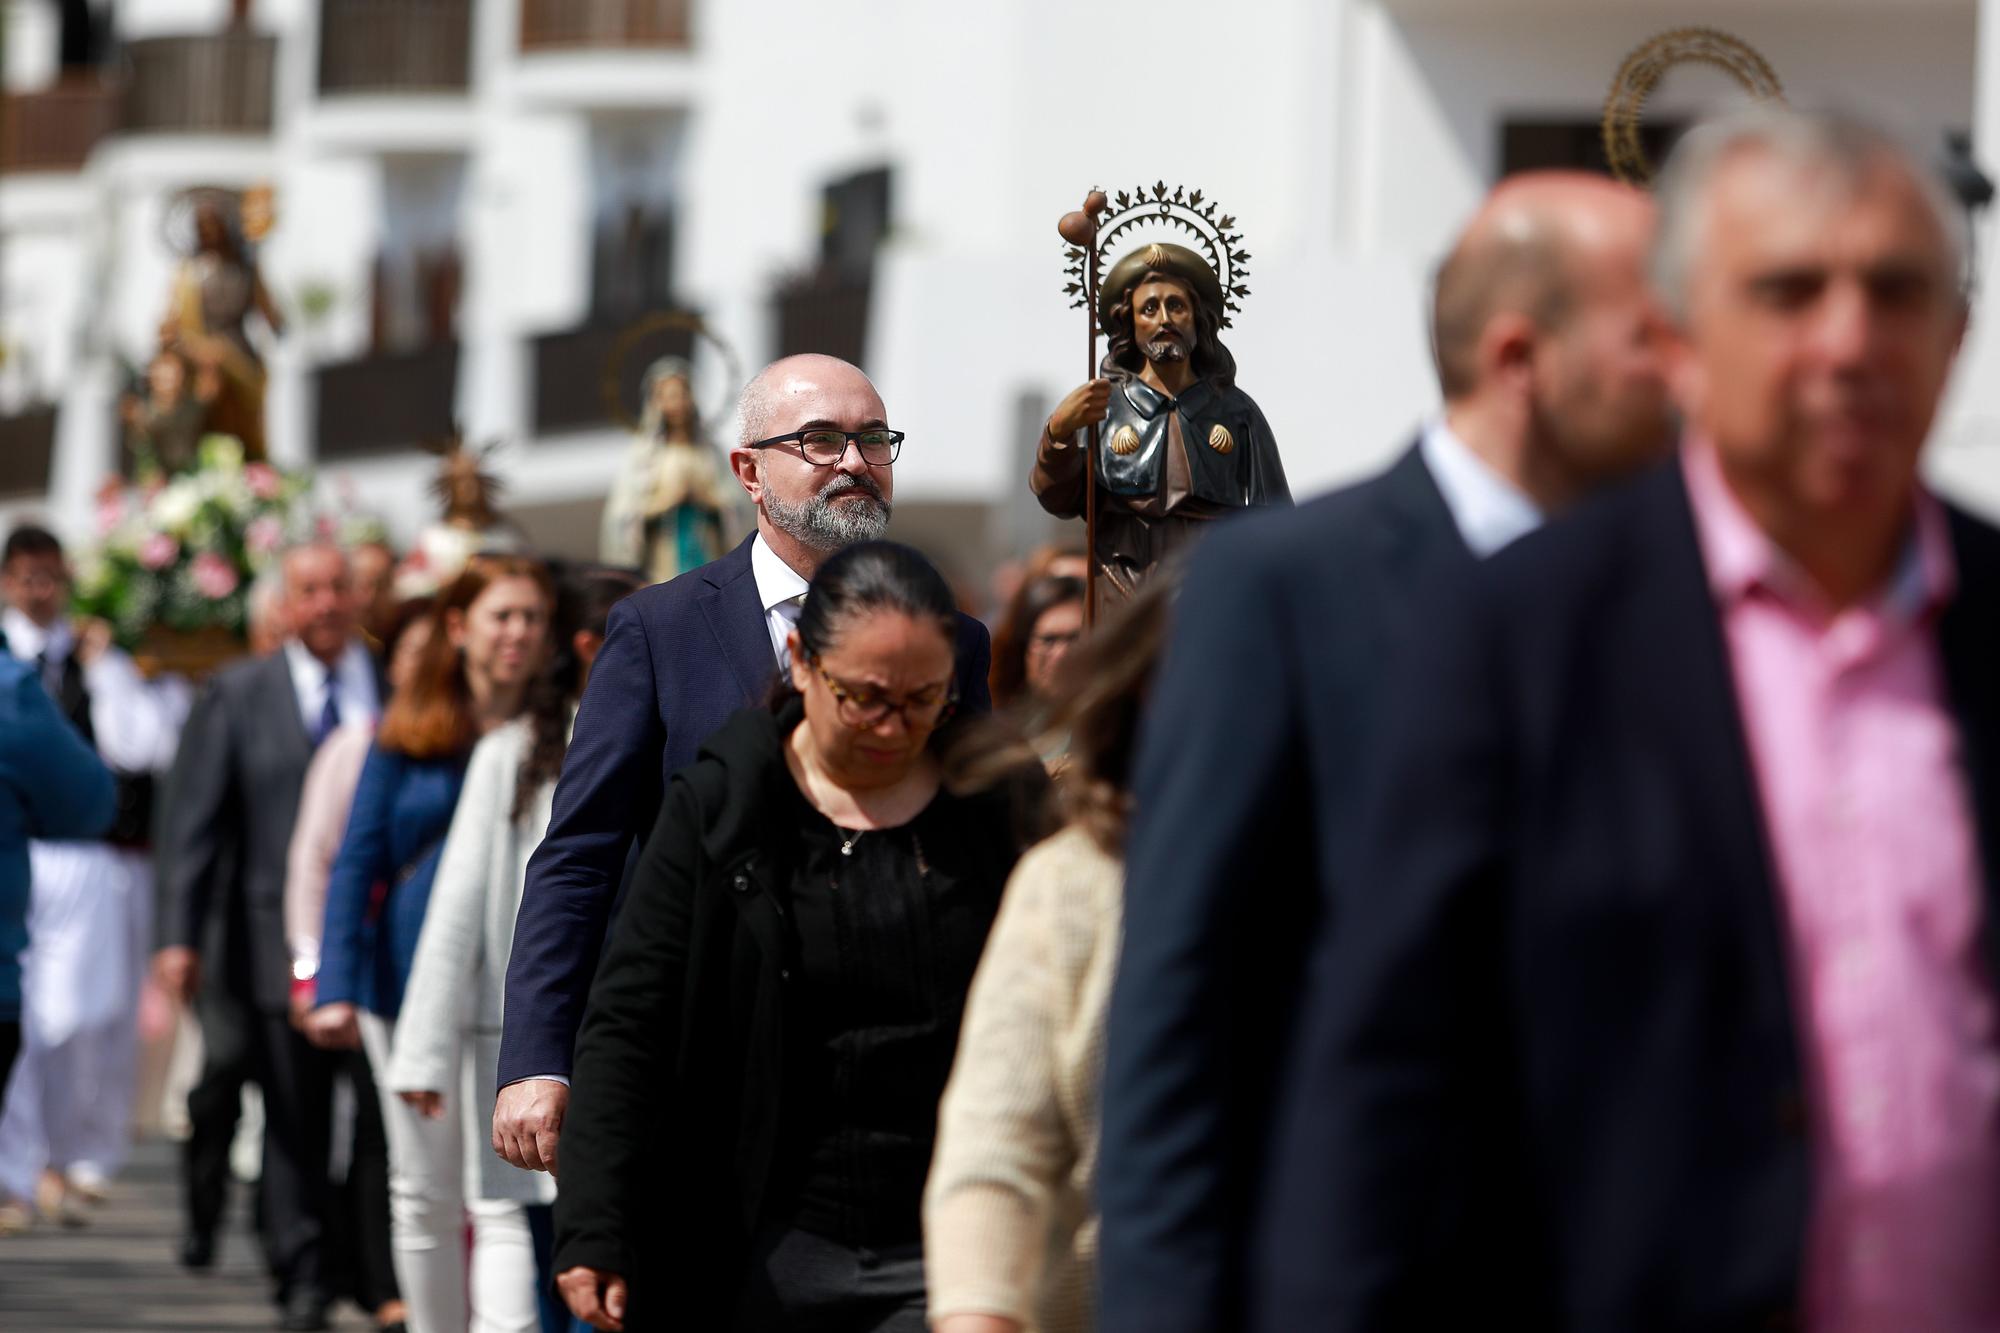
[(164, 425), (471, 523), (215, 290), (1172, 442), (674, 505)]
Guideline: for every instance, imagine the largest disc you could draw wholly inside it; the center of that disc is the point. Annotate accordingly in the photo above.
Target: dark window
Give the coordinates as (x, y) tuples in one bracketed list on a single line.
[(1573, 144), (826, 309)]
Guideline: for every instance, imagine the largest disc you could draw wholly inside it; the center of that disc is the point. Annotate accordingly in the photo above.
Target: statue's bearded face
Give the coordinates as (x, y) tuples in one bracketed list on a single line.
[(1163, 318)]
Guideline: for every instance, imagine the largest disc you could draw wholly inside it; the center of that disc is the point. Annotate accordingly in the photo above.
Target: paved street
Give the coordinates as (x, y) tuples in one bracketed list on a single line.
[(120, 1273)]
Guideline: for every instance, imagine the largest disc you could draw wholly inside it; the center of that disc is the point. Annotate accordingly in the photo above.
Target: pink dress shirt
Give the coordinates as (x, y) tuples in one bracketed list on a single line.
[(1865, 803)]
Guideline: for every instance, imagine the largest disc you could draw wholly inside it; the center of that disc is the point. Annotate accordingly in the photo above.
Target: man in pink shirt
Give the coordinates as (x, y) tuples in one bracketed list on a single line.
[(1668, 999)]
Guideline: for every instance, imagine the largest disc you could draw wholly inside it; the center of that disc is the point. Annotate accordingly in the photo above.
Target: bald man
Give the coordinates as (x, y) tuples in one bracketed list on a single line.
[(816, 458), (1245, 814)]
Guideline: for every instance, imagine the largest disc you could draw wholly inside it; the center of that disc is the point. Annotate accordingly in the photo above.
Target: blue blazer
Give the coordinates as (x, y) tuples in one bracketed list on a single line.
[(52, 785), (678, 659), (1252, 759), (395, 837)]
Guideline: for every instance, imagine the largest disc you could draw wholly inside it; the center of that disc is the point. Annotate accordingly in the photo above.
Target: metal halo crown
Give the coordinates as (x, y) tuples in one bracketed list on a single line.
[(1178, 208), (611, 377), (1649, 62)]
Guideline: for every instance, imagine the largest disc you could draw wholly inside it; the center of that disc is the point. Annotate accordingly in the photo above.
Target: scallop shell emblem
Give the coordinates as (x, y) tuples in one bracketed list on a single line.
[(1124, 441), (1220, 440)]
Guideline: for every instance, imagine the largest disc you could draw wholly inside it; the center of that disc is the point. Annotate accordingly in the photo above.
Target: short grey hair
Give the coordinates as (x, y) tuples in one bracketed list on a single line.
[(1831, 140)]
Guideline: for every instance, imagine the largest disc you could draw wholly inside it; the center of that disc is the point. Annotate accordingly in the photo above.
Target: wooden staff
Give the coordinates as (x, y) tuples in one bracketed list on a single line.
[(1080, 229)]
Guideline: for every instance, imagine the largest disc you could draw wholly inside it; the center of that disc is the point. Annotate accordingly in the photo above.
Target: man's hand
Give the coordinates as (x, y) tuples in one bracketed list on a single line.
[(975, 1323), (301, 1007), (593, 1295), (93, 638), (1085, 405), (429, 1103), (178, 970), (527, 1120), (333, 1027)]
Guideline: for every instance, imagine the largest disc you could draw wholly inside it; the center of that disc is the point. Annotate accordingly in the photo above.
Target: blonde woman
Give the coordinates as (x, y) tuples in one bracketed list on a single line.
[(1010, 1237)]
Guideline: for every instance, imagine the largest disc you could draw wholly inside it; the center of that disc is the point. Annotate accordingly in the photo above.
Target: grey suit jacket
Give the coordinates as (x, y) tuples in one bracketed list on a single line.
[(230, 804)]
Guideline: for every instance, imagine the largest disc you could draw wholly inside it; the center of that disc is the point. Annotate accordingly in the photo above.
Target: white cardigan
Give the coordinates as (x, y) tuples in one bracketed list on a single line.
[(448, 1032)]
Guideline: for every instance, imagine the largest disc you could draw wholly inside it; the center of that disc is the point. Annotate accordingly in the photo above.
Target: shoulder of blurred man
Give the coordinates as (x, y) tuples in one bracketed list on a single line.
[(1394, 512), (1570, 565)]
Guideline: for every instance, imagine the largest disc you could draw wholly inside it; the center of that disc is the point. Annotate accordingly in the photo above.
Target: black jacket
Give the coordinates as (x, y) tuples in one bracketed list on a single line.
[(1253, 763), (669, 1145), (679, 658), (1552, 1073)]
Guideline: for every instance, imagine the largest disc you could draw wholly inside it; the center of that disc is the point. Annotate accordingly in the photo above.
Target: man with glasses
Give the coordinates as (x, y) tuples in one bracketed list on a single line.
[(815, 457)]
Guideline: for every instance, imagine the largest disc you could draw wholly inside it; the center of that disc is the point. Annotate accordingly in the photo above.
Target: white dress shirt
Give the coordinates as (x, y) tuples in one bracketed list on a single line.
[(781, 590), (136, 722), (354, 678), (1490, 510)]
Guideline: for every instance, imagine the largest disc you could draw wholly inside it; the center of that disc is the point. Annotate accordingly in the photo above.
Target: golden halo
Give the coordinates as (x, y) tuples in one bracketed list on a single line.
[(611, 379), (1648, 64), (1207, 227)]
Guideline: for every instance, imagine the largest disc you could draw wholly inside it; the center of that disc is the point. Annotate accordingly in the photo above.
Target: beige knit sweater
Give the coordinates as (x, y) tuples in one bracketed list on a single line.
[(1008, 1226)]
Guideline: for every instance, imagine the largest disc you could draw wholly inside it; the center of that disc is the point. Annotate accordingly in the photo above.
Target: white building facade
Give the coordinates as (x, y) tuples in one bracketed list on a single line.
[(479, 200)]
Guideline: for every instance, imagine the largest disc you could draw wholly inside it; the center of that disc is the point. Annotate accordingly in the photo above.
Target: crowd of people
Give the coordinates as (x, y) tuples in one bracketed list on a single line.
[(1548, 882)]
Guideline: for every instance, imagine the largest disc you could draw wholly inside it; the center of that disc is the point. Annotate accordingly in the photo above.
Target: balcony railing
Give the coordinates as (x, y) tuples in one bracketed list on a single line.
[(827, 313), (567, 24), (213, 84), (394, 46), (387, 403), (570, 367), (55, 129), (27, 452)]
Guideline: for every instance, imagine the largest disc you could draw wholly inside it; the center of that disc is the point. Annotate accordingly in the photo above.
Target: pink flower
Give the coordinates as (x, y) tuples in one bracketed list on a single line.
[(214, 577), (264, 535), (158, 550), (110, 513), (264, 481), (324, 528)]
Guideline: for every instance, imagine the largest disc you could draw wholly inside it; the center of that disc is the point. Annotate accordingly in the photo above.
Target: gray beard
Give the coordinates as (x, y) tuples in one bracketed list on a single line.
[(821, 525), (1165, 349)]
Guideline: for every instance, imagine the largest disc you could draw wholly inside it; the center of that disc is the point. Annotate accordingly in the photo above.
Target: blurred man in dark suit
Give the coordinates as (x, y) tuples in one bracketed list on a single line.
[(1663, 998), (1258, 736)]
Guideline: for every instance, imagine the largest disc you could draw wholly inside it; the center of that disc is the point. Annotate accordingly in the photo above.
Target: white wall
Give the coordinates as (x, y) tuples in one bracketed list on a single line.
[(1349, 138)]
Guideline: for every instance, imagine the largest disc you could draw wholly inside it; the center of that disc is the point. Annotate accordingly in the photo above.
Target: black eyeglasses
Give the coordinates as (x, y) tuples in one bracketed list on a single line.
[(824, 447), (861, 707)]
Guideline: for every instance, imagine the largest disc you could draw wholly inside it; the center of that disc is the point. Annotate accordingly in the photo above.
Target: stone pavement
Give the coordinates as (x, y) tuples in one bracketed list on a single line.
[(120, 1273)]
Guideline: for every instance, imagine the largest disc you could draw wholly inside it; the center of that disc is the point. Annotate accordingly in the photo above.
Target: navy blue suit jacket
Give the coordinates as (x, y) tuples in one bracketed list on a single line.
[(1252, 759), (678, 659), (1552, 1074)]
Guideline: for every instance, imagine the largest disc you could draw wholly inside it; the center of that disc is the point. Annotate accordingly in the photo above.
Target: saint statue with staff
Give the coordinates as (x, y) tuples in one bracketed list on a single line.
[(1170, 442)]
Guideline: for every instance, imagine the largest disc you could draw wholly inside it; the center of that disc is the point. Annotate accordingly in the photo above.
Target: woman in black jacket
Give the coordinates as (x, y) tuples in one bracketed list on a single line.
[(757, 1077)]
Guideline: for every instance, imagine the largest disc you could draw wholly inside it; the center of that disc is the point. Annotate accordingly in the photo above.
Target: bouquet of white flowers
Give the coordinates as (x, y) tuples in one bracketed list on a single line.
[(178, 558)]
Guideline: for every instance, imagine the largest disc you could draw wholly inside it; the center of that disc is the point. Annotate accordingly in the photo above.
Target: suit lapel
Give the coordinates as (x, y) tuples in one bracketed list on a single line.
[(1971, 651), (285, 709), (1415, 516), (1684, 681), (735, 615)]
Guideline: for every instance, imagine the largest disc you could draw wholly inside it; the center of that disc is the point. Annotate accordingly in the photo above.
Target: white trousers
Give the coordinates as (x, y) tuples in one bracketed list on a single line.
[(427, 1213), (74, 1092)]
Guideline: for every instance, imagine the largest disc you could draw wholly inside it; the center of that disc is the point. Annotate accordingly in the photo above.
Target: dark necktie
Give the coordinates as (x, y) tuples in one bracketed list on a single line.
[(329, 715), (64, 682)]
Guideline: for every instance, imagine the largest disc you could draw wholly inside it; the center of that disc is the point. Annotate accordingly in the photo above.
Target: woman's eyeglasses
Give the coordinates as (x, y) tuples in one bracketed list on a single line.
[(859, 706)]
